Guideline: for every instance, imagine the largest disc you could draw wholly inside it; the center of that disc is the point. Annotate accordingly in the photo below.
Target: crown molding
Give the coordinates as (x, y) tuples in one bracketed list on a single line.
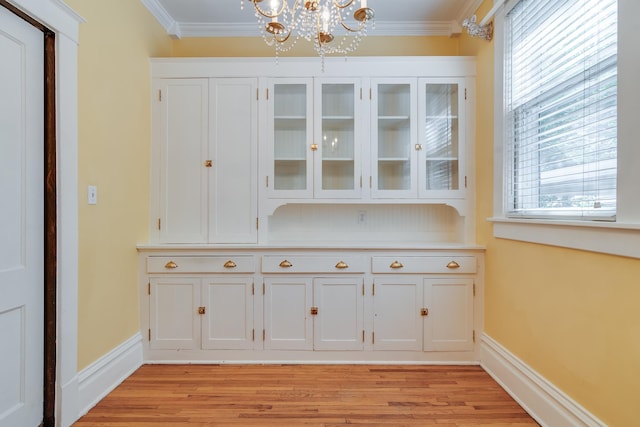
[(162, 16), (468, 9)]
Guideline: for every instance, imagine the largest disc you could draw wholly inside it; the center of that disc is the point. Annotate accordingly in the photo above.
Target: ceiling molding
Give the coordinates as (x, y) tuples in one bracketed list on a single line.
[(162, 16), (381, 28)]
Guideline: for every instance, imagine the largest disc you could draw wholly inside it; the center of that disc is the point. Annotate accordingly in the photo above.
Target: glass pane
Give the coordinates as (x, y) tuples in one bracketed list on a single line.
[(338, 137), (394, 139), (441, 136), (290, 137)]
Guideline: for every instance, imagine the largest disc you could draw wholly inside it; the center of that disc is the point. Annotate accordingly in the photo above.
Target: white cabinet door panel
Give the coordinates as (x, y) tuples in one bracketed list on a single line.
[(288, 323), (233, 129), (449, 325), (339, 322), (228, 320), (397, 324), (174, 321)]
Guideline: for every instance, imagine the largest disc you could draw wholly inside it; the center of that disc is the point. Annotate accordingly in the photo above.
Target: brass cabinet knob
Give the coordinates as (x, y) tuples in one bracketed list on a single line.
[(314, 311), (424, 311), (453, 265), (396, 264), (342, 264), (314, 147), (171, 264), (208, 163), (230, 264), (418, 147), (202, 310), (286, 264)]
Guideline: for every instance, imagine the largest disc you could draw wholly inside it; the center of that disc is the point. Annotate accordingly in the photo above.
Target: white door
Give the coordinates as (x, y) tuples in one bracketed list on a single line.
[(397, 324), (21, 222), (449, 324), (287, 321), (339, 322), (228, 318)]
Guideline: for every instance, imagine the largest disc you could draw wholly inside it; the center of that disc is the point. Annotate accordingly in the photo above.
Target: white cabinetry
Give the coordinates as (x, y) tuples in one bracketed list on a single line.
[(204, 162), (190, 308), (314, 136)]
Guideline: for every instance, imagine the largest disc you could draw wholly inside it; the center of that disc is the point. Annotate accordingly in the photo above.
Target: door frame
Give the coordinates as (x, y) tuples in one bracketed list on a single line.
[(50, 217)]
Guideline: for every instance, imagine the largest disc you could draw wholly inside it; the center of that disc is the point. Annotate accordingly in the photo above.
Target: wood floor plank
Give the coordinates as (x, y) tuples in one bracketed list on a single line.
[(307, 395)]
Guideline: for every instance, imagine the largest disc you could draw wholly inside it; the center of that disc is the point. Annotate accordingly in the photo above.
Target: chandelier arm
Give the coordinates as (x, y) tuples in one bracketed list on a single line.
[(339, 5), (356, 30)]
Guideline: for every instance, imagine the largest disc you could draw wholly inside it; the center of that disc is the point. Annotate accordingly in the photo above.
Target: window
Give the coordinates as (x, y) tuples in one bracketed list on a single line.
[(560, 109)]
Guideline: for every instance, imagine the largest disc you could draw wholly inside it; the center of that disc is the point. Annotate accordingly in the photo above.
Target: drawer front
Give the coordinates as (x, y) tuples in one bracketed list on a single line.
[(200, 264), (313, 264), (424, 264)]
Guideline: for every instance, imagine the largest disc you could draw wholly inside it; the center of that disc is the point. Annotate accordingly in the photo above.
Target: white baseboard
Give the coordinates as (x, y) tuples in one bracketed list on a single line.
[(547, 404), (102, 376)]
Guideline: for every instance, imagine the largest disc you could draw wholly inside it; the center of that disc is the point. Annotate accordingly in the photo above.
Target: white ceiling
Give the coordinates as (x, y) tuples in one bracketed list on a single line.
[(224, 18)]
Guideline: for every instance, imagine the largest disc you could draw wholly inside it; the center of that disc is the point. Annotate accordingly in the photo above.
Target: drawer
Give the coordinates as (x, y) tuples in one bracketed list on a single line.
[(424, 264), (313, 264), (200, 264)]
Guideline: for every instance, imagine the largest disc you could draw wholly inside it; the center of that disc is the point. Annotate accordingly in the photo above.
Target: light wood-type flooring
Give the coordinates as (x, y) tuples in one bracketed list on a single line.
[(307, 395)]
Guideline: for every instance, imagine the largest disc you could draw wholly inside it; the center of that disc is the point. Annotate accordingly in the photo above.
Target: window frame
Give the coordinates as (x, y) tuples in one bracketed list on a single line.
[(619, 237)]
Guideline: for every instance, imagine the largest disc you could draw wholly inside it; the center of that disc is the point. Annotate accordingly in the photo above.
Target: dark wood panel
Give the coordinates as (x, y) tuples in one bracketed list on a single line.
[(309, 395)]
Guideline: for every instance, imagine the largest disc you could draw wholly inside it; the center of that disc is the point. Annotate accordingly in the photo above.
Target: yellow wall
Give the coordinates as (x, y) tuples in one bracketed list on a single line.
[(113, 148), (568, 314)]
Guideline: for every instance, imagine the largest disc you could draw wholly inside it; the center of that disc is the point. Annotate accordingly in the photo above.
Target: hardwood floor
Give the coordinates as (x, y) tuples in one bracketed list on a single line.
[(307, 395)]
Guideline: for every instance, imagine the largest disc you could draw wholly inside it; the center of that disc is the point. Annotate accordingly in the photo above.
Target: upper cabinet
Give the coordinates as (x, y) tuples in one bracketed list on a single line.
[(313, 135), (204, 160), (269, 154)]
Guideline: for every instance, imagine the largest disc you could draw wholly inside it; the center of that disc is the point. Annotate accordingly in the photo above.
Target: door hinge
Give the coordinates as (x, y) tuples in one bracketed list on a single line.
[(253, 289), (159, 223), (373, 337), (474, 289), (267, 181), (267, 93), (264, 334), (257, 94), (474, 335), (361, 94), (253, 335), (363, 335), (373, 289), (465, 93), (363, 288), (370, 94), (149, 288), (465, 182), (370, 182), (149, 334), (159, 95), (263, 288), (257, 224), (360, 181)]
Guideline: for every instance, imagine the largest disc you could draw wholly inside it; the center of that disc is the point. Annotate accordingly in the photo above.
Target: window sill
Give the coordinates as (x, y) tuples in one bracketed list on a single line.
[(613, 238)]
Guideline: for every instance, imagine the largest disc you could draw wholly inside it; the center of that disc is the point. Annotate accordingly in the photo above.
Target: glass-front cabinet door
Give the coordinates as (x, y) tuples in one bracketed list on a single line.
[(336, 145), (441, 108), (291, 138), (393, 138)]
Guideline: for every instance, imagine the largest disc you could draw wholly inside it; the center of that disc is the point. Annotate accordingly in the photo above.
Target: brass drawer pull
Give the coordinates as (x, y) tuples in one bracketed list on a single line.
[(286, 264), (453, 265), (396, 264), (342, 264), (314, 311), (171, 264), (230, 264)]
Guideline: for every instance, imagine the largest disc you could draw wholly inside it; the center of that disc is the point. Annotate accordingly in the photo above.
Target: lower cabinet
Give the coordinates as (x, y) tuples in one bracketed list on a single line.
[(417, 313), (188, 313), (347, 306), (314, 313)]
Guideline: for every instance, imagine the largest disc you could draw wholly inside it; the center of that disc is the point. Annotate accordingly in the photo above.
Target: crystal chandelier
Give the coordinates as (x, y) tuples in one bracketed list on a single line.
[(316, 21)]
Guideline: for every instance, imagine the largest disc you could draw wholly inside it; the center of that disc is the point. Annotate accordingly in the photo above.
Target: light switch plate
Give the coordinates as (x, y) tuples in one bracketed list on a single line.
[(92, 195)]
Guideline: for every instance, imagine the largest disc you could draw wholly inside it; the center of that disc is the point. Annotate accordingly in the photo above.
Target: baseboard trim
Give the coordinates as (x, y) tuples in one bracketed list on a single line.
[(102, 376), (546, 403)]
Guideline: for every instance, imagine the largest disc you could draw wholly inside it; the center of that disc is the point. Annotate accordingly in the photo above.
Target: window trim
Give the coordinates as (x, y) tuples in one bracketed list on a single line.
[(620, 237)]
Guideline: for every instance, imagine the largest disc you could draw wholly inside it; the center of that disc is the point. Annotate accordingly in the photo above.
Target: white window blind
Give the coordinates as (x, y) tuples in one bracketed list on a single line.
[(561, 109)]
